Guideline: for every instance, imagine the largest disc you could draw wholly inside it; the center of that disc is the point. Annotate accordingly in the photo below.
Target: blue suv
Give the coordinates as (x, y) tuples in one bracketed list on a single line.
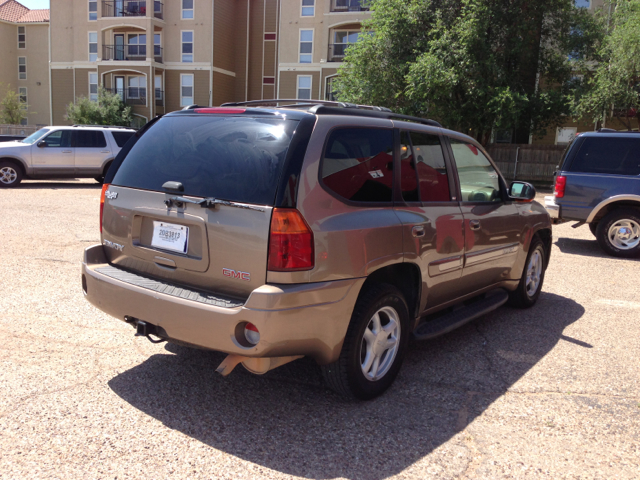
[(598, 183)]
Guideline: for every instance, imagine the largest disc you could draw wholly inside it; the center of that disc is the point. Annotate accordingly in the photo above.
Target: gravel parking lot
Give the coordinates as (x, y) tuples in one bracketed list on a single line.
[(550, 392)]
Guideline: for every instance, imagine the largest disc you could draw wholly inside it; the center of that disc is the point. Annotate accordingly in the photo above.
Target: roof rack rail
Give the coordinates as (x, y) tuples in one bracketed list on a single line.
[(327, 107), (612, 130), (101, 126), (191, 107)]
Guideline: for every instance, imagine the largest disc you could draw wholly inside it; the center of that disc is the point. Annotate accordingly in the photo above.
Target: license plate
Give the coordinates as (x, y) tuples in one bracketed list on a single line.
[(169, 236)]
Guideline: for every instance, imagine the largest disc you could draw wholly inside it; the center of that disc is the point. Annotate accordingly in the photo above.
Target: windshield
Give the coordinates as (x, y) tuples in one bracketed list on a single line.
[(227, 157), (34, 137)]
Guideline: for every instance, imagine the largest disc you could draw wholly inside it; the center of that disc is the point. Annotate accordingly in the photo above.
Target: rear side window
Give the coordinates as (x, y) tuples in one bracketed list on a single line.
[(90, 139), (430, 167), (358, 164), (609, 155), (122, 137), (227, 157)]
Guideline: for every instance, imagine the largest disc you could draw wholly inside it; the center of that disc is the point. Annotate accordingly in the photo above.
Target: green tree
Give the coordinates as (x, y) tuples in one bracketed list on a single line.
[(108, 110), (12, 110), (474, 65), (612, 89)]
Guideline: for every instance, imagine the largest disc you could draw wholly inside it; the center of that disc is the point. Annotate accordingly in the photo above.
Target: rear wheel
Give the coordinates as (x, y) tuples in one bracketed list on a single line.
[(618, 233), (10, 175), (530, 286), (374, 345)]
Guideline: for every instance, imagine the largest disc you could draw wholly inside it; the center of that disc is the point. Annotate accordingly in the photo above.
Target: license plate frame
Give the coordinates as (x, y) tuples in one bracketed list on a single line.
[(171, 237)]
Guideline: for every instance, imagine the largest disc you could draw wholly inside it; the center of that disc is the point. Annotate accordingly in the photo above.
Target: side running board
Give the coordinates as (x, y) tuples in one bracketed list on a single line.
[(457, 318)]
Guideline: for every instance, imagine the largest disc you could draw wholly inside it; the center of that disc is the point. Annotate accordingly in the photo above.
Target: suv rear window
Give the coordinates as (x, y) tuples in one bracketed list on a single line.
[(608, 155), (358, 164), (227, 157), (122, 137)]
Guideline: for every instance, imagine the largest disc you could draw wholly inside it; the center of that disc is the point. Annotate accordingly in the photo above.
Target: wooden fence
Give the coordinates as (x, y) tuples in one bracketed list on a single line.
[(25, 130), (529, 163)]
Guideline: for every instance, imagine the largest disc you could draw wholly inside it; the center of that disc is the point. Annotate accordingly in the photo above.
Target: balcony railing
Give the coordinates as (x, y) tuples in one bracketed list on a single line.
[(130, 52), (159, 94), (337, 51), (131, 95), (349, 5), (131, 8)]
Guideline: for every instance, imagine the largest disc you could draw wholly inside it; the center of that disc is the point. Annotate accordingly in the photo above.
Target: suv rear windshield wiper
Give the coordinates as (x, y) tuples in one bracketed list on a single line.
[(210, 202)]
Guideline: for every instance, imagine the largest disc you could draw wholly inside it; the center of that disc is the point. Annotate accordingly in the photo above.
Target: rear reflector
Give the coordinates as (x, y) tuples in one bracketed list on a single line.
[(220, 110), (290, 242), (561, 182), (105, 187)]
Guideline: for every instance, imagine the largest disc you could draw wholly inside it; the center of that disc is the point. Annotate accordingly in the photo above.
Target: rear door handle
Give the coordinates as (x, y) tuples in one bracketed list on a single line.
[(474, 225), (66, 151), (105, 151), (417, 231)]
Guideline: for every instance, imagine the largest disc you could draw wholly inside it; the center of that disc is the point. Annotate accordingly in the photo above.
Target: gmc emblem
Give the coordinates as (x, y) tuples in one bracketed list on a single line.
[(228, 272)]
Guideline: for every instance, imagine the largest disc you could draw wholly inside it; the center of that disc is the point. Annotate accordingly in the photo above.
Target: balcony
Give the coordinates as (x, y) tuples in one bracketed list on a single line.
[(135, 53), (349, 6), (131, 95), (337, 51), (130, 8)]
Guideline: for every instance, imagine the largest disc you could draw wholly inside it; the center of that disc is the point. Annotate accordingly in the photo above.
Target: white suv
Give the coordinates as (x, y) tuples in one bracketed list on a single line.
[(59, 152)]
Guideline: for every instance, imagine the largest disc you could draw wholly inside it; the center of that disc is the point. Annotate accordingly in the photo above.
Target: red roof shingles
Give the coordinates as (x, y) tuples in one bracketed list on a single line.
[(12, 11)]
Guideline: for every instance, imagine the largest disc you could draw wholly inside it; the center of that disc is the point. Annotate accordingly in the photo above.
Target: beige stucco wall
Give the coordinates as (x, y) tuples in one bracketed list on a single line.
[(8, 55), (61, 94)]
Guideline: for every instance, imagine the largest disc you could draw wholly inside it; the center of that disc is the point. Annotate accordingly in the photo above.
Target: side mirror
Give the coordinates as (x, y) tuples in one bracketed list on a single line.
[(522, 191), (42, 144)]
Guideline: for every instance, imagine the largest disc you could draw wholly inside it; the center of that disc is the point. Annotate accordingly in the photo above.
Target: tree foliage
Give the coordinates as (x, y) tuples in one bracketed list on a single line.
[(475, 65), (612, 89), (12, 110), (108, 110)]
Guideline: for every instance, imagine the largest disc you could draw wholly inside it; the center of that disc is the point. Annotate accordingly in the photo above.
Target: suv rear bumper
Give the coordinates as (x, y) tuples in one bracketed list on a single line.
[(302, 319), (553, 209)]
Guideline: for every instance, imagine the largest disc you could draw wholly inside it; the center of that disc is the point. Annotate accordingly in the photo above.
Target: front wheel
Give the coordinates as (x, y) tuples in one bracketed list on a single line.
[(530, 286), (10, 175), (374, 345), (618, 233)]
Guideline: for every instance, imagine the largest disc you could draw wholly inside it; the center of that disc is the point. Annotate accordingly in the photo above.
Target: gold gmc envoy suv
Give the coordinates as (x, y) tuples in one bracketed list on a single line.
[(277, 229)]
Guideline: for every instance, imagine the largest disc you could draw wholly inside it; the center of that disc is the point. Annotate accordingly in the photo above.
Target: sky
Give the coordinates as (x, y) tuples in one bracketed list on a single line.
[(34, 4)]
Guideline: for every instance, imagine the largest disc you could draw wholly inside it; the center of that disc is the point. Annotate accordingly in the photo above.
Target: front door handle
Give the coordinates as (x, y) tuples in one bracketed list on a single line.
[(105, 151), (417, 231), (66, 151), (474, 225)]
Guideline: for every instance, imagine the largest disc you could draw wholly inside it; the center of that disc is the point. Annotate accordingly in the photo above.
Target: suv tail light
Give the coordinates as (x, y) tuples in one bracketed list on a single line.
[(105, 187), (561, 182), (290, 242)]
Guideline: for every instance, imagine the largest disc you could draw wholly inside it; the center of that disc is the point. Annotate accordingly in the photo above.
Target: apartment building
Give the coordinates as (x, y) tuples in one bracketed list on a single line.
[(162, 55), (314, 35), (24, 58)]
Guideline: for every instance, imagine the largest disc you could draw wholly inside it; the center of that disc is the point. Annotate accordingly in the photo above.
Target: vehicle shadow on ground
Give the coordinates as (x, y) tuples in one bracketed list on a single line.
[(287, 421), (587, 248), (59, 185)]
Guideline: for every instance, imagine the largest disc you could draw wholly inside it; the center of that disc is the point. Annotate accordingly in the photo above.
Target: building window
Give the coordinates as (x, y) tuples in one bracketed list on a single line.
[(583, 3), (304, 87), (308, 8), (306, 46), (137, 45), (22, 68), (93, 46), (22, 37), (157, 48), (329, 91), (93, 9), (565, 135), (187, 46), (137, 88), (187, 9), (93, 87), (158, 87), (22, 91), (186, 89), (341, 41)]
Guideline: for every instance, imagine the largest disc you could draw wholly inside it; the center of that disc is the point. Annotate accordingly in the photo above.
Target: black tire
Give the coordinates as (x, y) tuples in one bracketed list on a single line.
[(346, 376), (10, 175), (524, 296), (612, 242), (594, 227), (100, 180)]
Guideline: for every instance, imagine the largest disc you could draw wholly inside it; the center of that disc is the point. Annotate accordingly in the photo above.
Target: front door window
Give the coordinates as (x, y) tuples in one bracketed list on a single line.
[(479, 181)]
